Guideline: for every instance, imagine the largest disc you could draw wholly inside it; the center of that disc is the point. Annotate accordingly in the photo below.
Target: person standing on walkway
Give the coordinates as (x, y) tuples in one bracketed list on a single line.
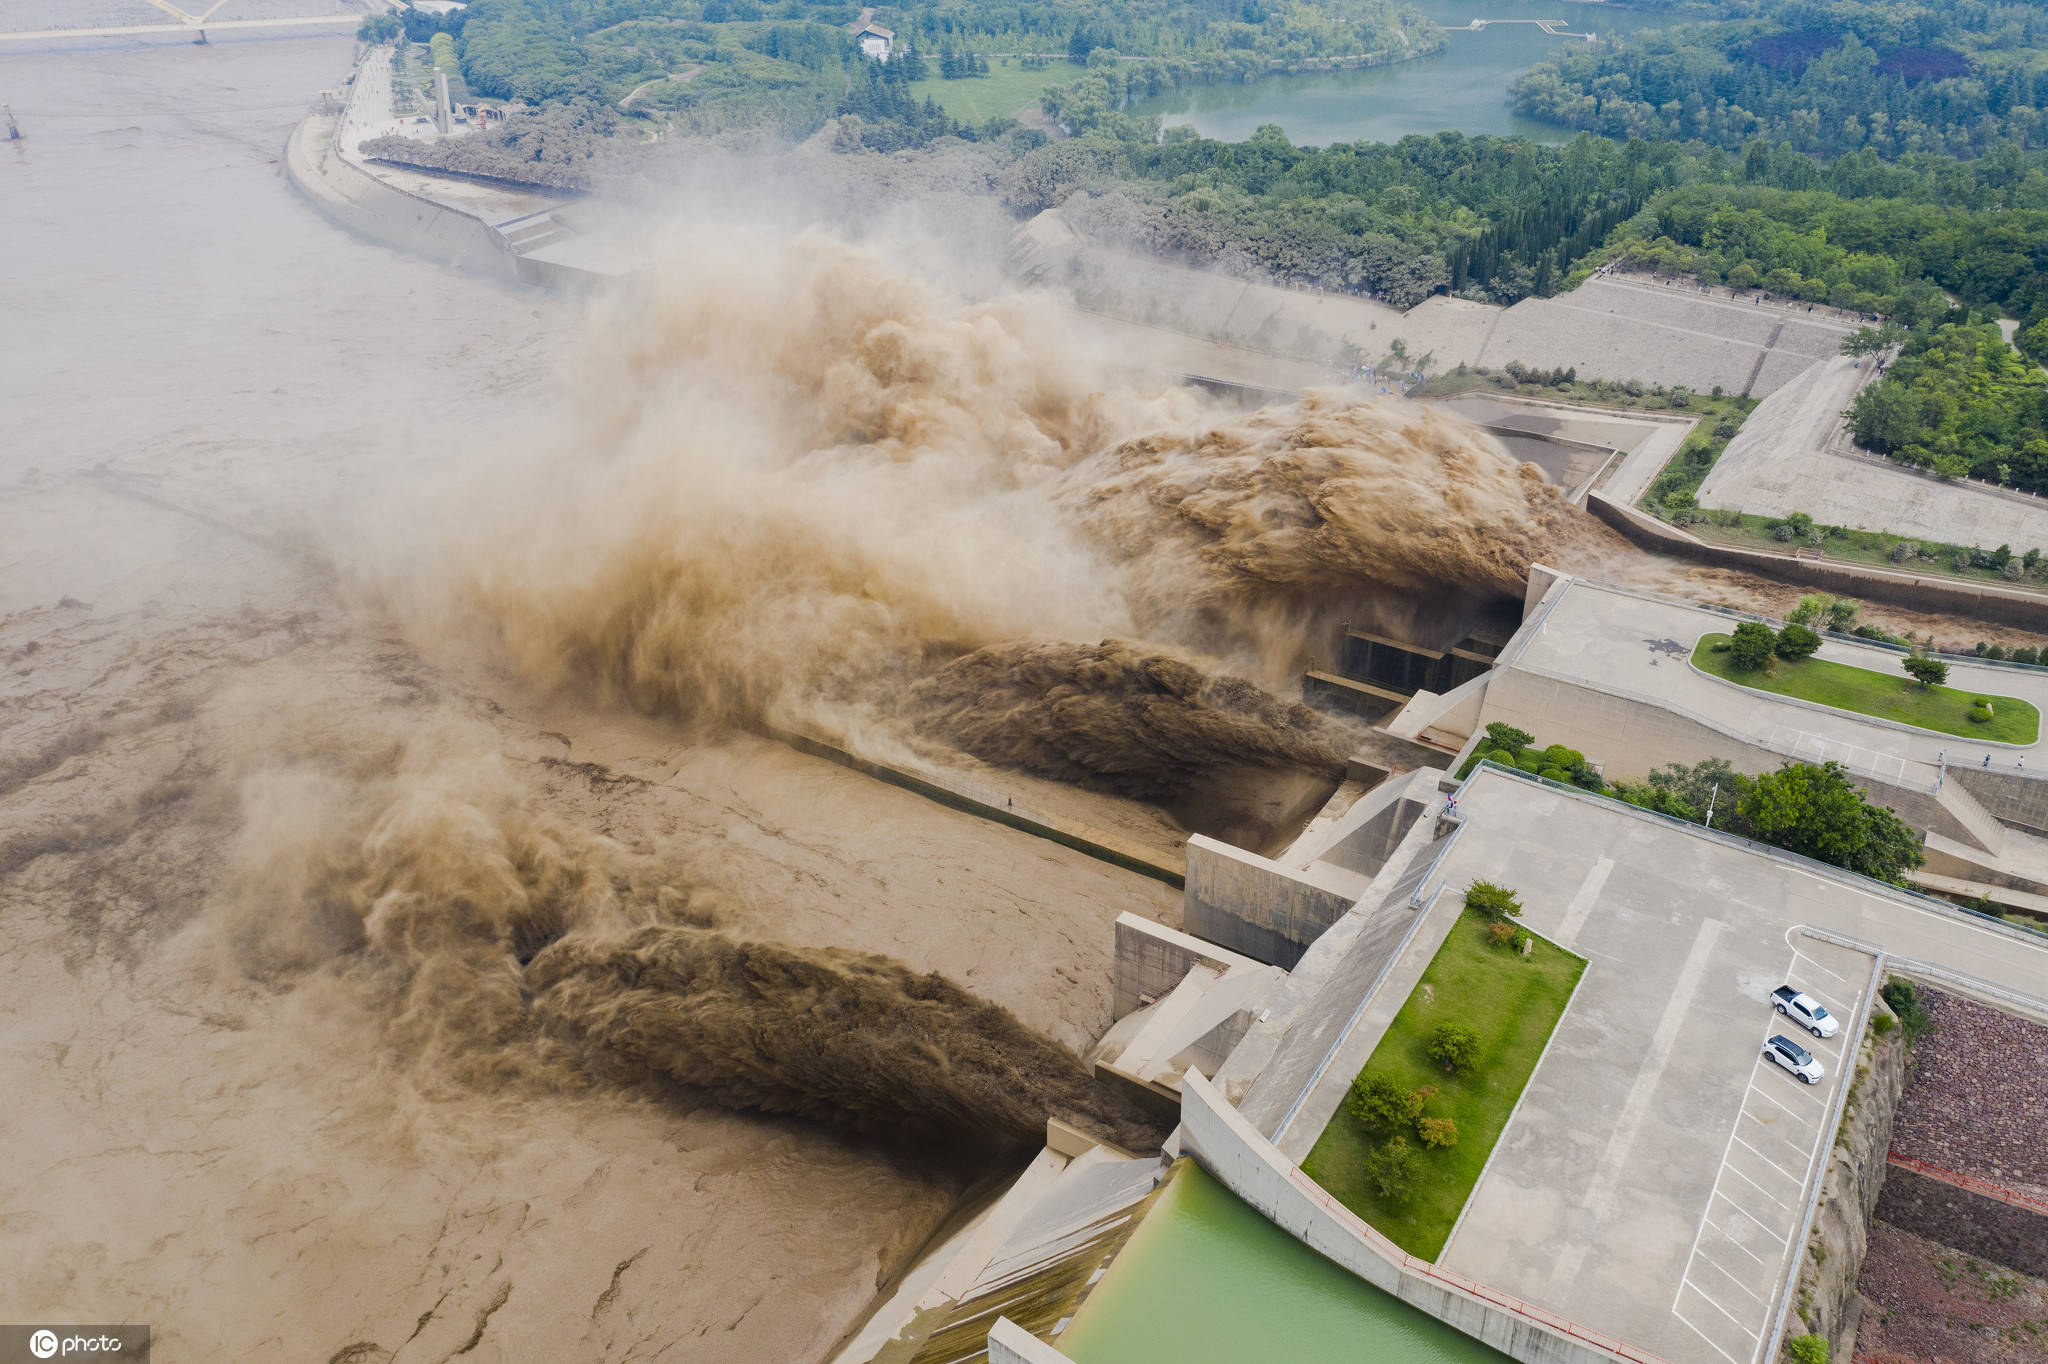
[(1987, 760)]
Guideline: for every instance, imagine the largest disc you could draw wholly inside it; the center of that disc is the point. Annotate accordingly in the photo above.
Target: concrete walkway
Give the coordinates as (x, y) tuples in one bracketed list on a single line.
[(1610, 639)]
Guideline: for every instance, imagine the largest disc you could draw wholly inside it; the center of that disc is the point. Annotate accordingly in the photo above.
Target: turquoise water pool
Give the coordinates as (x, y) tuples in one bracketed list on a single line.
[(1206, 1280)]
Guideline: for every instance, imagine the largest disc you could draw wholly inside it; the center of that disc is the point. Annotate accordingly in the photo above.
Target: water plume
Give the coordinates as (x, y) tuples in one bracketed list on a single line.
[(797, 484), (1110, 717), (508, 947)]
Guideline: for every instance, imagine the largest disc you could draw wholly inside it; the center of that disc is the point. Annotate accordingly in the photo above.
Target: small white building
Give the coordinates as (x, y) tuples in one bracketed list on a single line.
[(875, 41)]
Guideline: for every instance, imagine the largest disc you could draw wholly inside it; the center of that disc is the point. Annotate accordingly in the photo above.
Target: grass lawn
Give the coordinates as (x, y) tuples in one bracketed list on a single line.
[(1857, 547), (1512, 1002), (1884, 695), (999, 94)]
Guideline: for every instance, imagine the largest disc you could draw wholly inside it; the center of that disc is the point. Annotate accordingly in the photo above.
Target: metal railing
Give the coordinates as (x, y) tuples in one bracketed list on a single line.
[(1401, 1259), (1968, 1183)]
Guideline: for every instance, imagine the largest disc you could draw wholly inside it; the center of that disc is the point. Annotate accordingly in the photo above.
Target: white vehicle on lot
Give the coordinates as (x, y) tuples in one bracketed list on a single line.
[(1805, 1010), (1794, 1058)]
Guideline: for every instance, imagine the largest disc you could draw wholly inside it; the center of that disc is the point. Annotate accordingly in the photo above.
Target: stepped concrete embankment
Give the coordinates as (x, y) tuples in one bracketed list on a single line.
[(397, 218)]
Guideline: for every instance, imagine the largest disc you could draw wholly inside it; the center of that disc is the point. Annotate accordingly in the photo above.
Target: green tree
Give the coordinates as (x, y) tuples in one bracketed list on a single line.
[(1453, 1046), (1928, 672), (1496, 902), (1381, 1102), (1437, 1133), (1751, 645), (1814, 811), (1870, 340), (1508, 737), (1796, 642), (1391, 1170)]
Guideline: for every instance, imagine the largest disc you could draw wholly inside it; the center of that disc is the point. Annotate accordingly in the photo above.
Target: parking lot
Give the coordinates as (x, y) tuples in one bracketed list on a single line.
[(1653, 1179), (1740, 1250)]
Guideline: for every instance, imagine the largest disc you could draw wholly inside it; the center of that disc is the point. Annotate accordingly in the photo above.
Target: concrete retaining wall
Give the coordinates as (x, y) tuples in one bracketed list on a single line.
[(2017, 798), (1630, 737), (360, 202), (1151, 959), (1827, 1299), (2015, 1237), (1254, 906), (1941, 595), (1227, 1146)]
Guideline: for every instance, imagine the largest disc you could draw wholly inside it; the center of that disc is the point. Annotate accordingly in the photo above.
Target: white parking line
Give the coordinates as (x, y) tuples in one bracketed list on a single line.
[(1819, 966), (1758, 1187), (1702, 1334), (1775, 1137), (1724, 1312), (1739, 1246), (1780, 1106), (1767, 1160), (1739, 1286), (1754, 1218)]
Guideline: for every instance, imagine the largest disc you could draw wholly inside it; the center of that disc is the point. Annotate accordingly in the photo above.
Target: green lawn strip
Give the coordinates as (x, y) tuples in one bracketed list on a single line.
[(1748, 531), (999, 94), (1941, 709), (1512, 1002)]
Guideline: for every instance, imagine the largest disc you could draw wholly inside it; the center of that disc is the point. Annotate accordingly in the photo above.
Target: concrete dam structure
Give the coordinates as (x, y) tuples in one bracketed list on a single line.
[(1289, 970)]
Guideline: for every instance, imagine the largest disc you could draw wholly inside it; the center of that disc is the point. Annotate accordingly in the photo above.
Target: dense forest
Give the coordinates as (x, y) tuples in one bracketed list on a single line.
[(790, 63), (1959, 401), (1879, 157), (1499, 219), (1957, 77)]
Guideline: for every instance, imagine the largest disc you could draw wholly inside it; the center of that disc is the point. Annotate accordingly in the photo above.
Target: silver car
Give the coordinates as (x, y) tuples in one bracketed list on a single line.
[(1795, 1058), (1805, 1010)]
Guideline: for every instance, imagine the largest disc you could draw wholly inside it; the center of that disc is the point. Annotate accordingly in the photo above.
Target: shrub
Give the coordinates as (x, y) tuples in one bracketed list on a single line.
[(1751, 645), (1812, 607), (1996, 651), (1554, 774), (1570, 759), (1454, 1046), (1808, 1349), (1882, 1023), (1504, 934), (1508, 737), (1928, 672), (1437, 1132), (1903, 999), (2026, 655), (1379, 1101), (1391, 1170), (1902, 551), (1496, 902), (1980, 712), (1531, 762), (1796, 642)]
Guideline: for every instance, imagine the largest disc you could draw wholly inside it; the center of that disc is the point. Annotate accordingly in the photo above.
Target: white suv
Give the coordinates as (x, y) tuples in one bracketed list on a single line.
[(1805, 1010), (1795, 1058)]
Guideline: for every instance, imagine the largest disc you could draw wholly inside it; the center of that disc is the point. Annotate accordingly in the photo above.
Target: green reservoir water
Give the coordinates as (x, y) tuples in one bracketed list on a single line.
[(1206, 1280), (1463, 87)]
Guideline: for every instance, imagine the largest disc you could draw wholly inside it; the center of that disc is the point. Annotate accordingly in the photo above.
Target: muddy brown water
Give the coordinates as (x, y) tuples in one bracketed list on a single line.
[(199, 377)]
